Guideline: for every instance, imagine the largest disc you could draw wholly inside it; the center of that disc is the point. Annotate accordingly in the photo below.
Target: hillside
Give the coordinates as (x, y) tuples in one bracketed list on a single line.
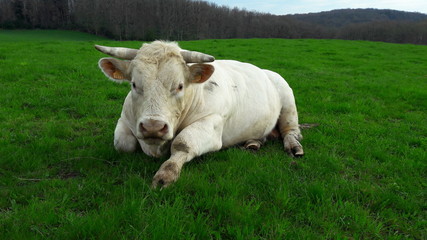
[(343, 17), (194, 20)]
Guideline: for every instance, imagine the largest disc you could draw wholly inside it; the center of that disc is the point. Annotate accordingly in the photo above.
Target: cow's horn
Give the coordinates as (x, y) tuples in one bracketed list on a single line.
[(196, 57), (118, 52)]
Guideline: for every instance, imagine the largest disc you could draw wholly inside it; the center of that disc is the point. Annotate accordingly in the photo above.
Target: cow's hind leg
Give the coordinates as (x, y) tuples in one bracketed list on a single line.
[(289, 128), (292, 145), (253, 144), (288, 119), (124, 140)]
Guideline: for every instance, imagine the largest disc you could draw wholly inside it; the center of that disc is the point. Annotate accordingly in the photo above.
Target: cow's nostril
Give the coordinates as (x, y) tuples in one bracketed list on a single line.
[(164, 129), (142, 128)]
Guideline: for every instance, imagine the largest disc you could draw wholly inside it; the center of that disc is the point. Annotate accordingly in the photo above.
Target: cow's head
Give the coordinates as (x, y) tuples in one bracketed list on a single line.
[(159, 78)]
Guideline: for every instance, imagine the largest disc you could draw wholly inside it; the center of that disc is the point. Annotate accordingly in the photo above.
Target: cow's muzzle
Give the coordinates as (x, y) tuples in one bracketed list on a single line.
[(153, 130)]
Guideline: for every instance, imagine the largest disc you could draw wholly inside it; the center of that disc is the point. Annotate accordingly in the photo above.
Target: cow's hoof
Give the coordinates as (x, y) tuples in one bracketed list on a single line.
[(295, 151), (167, 174), (298, 151), (253, 145), (292, 146)]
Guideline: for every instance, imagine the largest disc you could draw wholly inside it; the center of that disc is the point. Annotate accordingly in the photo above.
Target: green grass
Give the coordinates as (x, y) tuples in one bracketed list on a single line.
[(363, 176)]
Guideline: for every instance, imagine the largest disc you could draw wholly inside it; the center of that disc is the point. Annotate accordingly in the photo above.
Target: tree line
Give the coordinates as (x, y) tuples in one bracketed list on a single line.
[(190, 20), (342, 17)]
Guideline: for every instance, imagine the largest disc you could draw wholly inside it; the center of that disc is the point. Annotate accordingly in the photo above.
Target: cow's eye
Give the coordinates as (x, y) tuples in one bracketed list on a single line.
[(180, 87), (138, 90)]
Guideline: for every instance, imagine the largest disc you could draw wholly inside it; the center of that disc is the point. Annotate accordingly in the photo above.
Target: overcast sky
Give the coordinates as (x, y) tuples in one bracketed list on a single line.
[(281, 7)]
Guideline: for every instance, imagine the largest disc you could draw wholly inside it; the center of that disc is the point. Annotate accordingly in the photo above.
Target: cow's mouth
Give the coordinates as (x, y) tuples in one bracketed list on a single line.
[(154, 140)]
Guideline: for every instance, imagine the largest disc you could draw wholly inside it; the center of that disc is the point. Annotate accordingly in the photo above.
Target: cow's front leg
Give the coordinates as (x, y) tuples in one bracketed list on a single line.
[(198, 138), (124, 140)]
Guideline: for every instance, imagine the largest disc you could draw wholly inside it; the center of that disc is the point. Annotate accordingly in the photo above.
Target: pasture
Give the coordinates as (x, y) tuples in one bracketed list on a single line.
[(363, 175)]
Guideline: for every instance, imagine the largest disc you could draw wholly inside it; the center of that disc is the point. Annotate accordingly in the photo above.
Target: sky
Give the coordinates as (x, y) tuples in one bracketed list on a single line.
[(282, 7)]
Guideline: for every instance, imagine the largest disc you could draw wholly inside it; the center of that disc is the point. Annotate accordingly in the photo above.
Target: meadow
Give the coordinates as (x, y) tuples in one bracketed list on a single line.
[(363, 175)]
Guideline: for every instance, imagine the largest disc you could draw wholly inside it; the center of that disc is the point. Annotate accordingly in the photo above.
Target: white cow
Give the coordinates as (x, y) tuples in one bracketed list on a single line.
[(180, 104)]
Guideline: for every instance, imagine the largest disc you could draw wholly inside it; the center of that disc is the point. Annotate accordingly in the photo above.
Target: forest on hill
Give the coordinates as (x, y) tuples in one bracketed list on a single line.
[(194, 19), (343, 17)]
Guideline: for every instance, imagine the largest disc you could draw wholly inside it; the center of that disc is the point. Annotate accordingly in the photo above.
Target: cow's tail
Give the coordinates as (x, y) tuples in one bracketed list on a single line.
[(308, 125)]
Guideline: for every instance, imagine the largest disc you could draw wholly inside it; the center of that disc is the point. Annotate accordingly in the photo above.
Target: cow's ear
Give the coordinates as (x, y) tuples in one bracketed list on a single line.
[(200, 72), (115, 69)]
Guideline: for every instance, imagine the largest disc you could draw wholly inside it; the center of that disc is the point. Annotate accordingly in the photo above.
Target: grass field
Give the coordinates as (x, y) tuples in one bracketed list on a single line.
[(363, 176)]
